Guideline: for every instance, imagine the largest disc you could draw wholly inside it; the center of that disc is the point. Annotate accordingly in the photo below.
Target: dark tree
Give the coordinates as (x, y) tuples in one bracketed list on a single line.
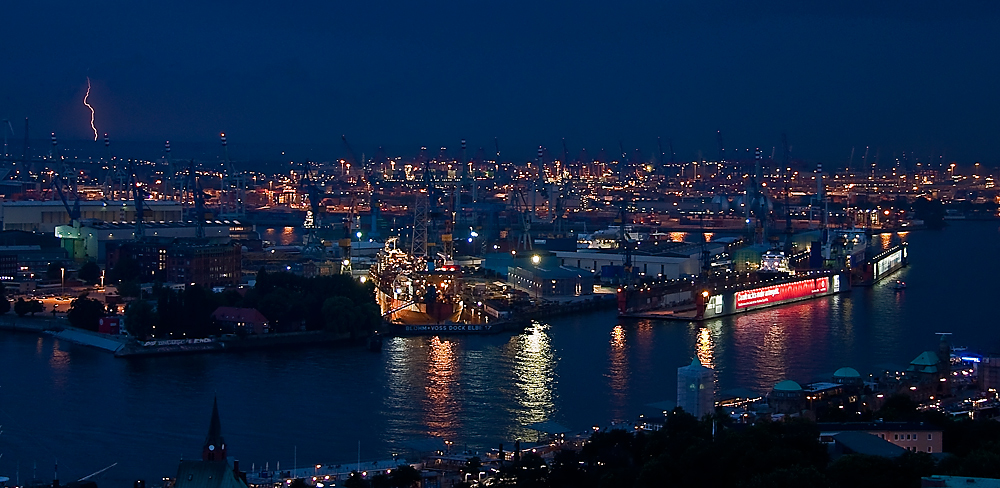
[(90, 273), (21, 307), (4, 302), (55, 270), (126, 269), (356, 481), (85, 312), (403, 476), (129, 288), (140, 319)]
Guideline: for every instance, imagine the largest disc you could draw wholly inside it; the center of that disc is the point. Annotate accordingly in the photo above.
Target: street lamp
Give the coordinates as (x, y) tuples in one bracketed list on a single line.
[(535, 259)]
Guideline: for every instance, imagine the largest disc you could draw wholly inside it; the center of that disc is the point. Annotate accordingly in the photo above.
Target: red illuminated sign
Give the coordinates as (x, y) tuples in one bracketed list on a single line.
[(779, 293)]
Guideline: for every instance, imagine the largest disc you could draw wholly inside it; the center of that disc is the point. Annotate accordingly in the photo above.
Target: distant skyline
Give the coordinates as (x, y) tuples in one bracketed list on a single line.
[(897, 76)]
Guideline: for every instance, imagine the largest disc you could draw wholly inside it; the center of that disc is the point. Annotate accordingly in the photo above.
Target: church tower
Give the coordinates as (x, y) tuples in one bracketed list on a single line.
[(215, 446)]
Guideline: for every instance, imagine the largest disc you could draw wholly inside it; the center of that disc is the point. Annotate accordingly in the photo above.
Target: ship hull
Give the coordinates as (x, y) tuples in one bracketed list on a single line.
[(707, 302)]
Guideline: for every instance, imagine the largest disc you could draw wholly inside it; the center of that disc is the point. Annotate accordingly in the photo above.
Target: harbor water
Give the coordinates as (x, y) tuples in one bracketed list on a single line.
[(306, 406)]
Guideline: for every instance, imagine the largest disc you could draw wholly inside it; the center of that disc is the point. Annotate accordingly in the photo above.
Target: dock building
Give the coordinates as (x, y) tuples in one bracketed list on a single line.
[(45, 216)]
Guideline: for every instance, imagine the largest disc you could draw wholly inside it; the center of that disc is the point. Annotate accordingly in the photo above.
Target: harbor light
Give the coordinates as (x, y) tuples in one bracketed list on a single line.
[(535, 259)]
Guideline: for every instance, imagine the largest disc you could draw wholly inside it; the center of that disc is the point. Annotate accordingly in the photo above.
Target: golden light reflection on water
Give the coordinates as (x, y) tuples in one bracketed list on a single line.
[(886, 240), (441, 404), (704, 348), (708, 236), (618, 373), (533, 372), (677, 236)]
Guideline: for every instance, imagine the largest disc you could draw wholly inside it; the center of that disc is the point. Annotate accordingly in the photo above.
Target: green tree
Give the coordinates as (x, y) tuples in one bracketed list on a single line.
[(129, 288), (21, 307), (791, 477), (85, 312), (339, 314), (140, 319), (4, 302), (472, 467), (356, 481), (899, 408), (90, 273), (403, 476), (126, 269)]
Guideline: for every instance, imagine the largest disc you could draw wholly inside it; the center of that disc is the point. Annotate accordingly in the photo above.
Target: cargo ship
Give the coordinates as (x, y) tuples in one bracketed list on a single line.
[(418, 295)]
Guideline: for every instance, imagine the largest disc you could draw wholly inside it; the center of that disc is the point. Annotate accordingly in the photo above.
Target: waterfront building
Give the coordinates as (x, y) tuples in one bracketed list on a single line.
[(45, 216), (551, 281), (911, 436), (182, 261), (787, 397), (855, 442), (848, 376), (696, 389), (929, 374), (239, 320), (91, 239)]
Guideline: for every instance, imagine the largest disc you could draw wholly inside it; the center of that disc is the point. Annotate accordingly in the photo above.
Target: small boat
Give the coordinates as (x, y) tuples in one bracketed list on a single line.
[(899, 285)]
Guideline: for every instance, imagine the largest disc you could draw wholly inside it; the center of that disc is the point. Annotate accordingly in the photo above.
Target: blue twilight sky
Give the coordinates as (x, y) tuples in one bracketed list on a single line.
[(915, 76)]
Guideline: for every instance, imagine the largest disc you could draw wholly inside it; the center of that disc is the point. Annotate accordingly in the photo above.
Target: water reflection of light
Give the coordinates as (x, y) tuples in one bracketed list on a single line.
[(441, 373), (59, 361), (533, 374), (618, 373), (704, 348), (708, 236), (886, 240), (677, 236), (773, 357)]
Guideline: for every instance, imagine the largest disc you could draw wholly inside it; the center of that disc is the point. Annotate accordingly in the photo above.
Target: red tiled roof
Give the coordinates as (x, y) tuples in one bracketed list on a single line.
[(237, 314)]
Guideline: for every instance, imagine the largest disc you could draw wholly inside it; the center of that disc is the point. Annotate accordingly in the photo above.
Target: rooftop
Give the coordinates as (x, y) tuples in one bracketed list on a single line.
[(787, 385)]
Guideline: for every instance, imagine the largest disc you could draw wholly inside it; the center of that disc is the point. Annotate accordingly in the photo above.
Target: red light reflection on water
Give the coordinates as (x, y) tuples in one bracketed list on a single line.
[(441, 405)]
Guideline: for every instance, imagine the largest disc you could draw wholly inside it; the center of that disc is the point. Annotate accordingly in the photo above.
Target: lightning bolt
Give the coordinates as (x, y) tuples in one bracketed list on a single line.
[(92, 126)]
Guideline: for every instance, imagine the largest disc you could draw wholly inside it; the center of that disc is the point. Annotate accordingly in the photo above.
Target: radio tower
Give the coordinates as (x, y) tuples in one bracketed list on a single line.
[(231, 198)]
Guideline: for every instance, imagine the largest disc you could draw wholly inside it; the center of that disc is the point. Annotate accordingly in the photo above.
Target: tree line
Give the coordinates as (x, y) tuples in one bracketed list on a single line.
[(290, 302), (715, 451)]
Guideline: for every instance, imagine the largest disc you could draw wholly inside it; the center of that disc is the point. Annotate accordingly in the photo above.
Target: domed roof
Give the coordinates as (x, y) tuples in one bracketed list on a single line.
[(846, 373), (787, 385)]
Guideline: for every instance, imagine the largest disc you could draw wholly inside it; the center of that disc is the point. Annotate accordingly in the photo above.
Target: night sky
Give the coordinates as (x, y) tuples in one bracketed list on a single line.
[(914, 76)]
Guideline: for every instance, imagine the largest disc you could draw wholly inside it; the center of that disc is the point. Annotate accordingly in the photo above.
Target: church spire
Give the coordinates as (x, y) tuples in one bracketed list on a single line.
[(215, 446)]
